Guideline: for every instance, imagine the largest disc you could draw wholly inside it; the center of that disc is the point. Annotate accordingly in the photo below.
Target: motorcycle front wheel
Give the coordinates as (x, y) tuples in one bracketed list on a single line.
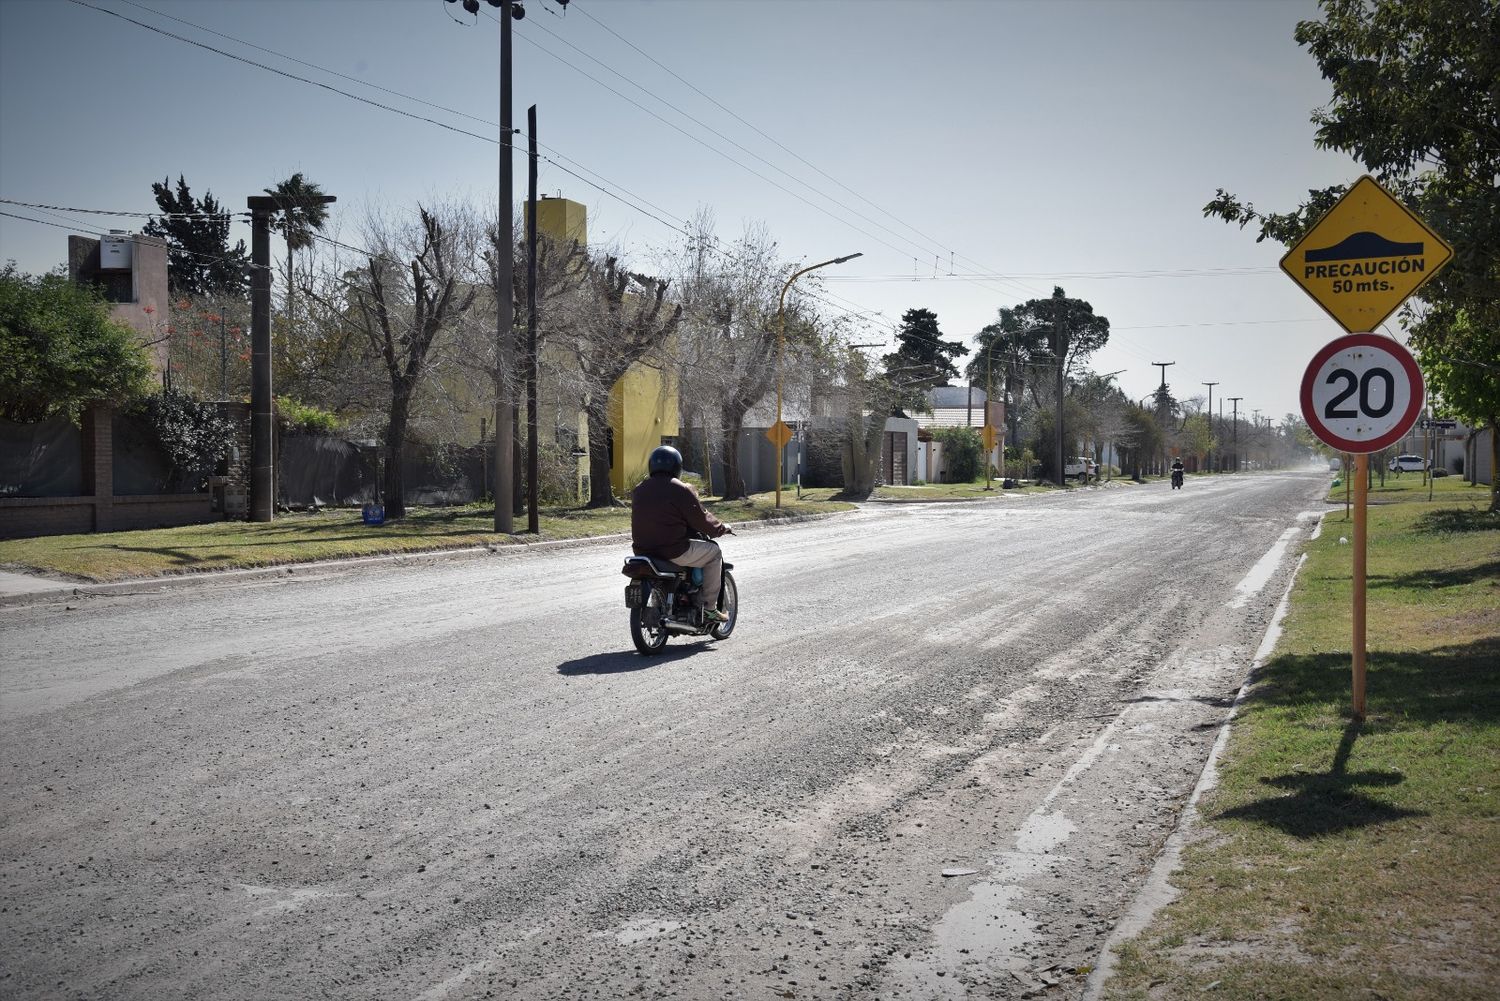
[(729, 604), (648, 639)]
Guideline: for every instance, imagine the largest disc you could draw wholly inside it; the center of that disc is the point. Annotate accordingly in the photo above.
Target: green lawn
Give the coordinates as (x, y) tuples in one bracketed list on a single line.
[(1357, 861), (305, 537)]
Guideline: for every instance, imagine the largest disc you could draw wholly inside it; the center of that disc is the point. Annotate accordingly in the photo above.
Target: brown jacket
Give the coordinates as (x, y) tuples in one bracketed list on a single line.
[(663, 511)]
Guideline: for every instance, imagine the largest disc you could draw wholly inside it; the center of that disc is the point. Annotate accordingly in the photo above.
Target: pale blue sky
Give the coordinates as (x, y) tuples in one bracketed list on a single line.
[(1056, 142)]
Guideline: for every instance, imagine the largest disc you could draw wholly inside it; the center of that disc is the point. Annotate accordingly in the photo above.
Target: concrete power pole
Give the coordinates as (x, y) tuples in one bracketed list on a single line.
[(262, 439), (1210, 413), (505, 312), (1235, 465)]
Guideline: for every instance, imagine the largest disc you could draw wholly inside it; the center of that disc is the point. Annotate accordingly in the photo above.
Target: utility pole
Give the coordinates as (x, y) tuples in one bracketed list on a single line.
[(1161, 401), (504, 286), (1236, 400), (533, 516), (1210, 386), (262, 485), (1059, 353)]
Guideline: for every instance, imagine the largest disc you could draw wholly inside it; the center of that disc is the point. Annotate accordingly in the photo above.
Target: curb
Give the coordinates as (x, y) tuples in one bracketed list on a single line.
[(189, 578), (1156, 892)]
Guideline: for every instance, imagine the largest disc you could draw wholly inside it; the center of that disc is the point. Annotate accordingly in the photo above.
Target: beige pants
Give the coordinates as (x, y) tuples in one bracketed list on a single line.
[(705, 555)]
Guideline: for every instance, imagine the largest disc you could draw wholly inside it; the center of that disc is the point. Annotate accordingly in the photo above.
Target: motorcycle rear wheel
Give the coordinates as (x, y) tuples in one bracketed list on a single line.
[(648, 639), (729, 604)]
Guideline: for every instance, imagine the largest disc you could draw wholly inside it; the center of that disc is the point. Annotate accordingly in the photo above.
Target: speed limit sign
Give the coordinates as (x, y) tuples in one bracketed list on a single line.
[(1362, 393)]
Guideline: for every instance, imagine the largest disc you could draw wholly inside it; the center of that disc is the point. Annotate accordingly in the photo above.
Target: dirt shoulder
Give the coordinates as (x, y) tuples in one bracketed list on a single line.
[(1355, 860)]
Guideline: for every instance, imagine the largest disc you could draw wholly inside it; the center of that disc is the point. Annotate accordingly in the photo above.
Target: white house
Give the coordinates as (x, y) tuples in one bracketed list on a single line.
[(955, 407)]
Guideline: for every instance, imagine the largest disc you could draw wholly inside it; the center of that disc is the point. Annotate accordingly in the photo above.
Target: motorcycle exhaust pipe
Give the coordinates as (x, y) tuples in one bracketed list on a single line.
[(673, 626)]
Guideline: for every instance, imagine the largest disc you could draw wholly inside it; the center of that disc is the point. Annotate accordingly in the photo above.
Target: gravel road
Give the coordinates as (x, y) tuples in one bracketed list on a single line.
[(454, 778)]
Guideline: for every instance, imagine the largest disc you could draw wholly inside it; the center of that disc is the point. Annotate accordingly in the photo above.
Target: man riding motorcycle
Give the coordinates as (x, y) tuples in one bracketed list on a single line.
[(665, 515)]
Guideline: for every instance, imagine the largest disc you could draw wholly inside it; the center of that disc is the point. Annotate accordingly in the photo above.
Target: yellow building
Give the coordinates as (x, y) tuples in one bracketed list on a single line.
[(643, 404)]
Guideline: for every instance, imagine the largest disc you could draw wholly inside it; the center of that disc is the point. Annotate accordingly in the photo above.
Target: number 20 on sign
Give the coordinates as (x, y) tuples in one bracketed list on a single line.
[(1361, 393)]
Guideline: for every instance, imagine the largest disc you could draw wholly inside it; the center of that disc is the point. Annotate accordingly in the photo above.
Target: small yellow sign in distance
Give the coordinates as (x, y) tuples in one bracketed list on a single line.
[(988, 437), (779, 434), (1365, 257)]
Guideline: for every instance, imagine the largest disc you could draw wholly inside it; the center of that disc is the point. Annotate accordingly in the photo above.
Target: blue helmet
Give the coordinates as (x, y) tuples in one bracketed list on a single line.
[(665, 459)]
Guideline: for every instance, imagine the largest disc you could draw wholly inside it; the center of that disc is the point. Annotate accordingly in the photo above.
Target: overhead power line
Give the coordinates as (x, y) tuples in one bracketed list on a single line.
[(284, 73), (173, 250), (311, 65), (122, 212), (754, 128), (922, 251)]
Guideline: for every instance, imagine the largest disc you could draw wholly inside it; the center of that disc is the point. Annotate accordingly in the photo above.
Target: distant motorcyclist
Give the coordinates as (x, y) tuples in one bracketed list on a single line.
[(665, 515), (1177, 472)]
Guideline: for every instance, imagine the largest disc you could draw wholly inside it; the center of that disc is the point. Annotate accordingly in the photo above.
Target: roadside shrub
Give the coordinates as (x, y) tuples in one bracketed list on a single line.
[(302, 418), (192, 435), (962, 451)]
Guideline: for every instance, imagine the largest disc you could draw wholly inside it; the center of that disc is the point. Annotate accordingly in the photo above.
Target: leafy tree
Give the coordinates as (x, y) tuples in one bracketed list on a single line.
[(1197, 435), (1461, 361), (61, 351), (296, 223), (922, 359), (1414, 100), (202, 263), (1073, 332), (1016, 349)]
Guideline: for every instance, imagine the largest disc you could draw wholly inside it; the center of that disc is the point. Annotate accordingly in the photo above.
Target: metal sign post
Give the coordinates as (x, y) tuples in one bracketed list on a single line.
[(1361, 393)]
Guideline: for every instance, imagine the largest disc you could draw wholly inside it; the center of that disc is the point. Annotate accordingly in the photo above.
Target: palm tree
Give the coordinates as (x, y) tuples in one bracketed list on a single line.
[(296, 222)]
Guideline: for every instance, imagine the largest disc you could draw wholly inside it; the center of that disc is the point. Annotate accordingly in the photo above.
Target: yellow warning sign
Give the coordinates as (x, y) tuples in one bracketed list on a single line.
[(988, 437), (779, 434), (1365, 257)]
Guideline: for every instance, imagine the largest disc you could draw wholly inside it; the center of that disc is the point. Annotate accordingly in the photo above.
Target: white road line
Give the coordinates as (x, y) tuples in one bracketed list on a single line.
[(1260, 574)]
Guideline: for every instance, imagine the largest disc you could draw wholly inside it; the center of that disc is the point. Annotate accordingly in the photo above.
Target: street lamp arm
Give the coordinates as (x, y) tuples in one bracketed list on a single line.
[(781, 346)]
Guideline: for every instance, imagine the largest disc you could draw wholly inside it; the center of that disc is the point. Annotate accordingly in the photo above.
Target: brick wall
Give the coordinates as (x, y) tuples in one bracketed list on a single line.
[(99, 510)]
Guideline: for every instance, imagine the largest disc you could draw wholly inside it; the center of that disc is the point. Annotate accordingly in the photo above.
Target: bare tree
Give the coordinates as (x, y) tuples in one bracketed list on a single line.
[(561, 271), (418, 281), (614, 329), (730, 331)]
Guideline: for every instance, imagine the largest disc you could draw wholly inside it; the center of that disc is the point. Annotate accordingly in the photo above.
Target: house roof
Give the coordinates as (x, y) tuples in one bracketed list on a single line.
[(954, 396), (953, 417)]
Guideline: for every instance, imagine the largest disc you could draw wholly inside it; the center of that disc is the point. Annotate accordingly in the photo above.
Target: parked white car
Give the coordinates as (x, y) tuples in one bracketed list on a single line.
[(1408, 464), (1079, 466)]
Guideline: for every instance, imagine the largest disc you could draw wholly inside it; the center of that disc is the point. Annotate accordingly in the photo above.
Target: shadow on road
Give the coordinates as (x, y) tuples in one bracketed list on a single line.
[(625, 661)]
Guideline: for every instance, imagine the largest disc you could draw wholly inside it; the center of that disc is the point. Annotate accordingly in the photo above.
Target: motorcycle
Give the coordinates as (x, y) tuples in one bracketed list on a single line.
[(1177, 479), (662, 598)]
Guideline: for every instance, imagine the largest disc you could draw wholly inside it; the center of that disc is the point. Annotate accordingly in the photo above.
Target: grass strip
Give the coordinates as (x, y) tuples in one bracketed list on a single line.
[(1337, 860), (333, 534)]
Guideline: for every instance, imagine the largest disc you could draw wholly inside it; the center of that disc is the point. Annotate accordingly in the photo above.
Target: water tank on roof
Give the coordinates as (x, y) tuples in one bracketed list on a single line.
[(114, 252)]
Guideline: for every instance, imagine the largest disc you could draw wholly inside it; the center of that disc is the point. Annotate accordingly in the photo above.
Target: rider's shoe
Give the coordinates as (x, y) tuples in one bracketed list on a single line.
[(714, 615)]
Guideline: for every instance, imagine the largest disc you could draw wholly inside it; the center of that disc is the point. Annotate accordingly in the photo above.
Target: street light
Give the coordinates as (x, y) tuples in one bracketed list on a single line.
[(780, 348)]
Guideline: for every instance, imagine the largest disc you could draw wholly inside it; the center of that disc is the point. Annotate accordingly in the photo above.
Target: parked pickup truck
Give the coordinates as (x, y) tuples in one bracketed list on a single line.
[(1080, 467)]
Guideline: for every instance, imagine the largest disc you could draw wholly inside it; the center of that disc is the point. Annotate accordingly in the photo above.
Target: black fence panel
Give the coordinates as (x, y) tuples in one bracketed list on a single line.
[(44, 459)]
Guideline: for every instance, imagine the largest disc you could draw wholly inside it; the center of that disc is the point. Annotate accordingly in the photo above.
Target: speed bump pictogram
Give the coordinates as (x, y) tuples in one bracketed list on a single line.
[(1365, 257)]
